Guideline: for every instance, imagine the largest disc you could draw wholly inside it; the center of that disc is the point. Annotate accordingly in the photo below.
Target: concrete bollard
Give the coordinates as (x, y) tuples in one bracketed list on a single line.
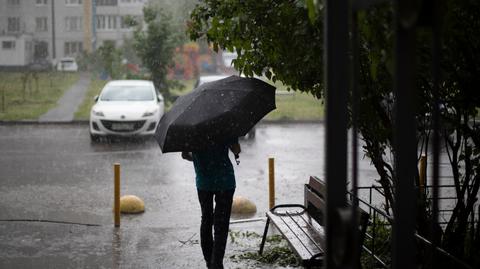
[(131, 204), (242, 205)]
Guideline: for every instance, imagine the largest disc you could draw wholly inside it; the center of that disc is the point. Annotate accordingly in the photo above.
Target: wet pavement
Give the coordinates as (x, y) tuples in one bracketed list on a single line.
[(69, 102), (53, 173)]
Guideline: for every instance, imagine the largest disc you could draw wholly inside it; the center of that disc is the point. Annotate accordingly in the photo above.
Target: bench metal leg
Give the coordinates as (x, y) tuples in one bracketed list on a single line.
[(264, 237)]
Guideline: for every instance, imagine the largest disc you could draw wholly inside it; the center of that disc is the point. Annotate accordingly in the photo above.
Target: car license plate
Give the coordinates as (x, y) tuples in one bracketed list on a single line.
[(122, 126)]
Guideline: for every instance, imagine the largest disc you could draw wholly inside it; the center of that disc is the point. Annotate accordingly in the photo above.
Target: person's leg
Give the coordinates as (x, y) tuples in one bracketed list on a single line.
[(206, 239), (223, 208)]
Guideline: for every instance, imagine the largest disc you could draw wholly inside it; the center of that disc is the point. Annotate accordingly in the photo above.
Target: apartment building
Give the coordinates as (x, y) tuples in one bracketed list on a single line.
[(33, 30)]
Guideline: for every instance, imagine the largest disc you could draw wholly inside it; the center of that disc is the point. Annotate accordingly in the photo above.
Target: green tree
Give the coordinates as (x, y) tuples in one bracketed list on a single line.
[(111, 59), (284, 40), (180, 11), (155, 47), (271, 37)]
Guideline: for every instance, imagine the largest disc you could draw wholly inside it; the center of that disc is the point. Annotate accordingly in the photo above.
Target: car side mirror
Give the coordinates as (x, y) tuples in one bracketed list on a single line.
[(95, 98), (159, 98)]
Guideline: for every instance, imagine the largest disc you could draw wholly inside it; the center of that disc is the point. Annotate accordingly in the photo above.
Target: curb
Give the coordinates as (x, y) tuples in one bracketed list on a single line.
[(86, 122), (36, 122)]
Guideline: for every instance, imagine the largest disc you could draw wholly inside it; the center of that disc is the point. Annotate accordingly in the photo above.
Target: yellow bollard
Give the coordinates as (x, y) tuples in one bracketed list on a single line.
[(423, 172), (116, 168), (271, 181)]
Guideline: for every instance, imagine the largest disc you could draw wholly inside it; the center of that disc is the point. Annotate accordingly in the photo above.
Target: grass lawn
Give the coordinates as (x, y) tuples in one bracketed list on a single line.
[(83, 112), (36, 98), (297, 106), (293, 105)]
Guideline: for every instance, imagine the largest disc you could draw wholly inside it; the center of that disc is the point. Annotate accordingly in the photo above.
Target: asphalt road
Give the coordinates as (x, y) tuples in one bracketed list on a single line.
[(53, 173)]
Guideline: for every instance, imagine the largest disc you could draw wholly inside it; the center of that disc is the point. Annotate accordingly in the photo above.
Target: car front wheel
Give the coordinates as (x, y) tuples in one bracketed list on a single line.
[(94, 138)]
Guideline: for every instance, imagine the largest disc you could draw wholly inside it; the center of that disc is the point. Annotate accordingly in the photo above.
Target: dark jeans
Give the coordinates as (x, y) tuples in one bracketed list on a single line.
[(213, 246)]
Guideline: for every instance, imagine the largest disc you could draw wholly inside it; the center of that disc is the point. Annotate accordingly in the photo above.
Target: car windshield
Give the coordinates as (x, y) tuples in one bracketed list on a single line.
[(127, 93)]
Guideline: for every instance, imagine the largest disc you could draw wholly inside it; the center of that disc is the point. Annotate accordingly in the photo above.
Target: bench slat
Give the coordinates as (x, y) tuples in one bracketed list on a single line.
[(314, 199), (302, 228), (318, 186), (300, 233)]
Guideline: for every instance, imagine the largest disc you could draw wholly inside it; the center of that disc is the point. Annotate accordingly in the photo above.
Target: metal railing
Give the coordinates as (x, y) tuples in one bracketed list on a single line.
[(377, 245), (448, 201)]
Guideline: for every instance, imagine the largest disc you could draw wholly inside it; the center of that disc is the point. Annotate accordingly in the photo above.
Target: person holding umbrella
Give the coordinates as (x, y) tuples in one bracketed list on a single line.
[(205, 125), (215, 181)]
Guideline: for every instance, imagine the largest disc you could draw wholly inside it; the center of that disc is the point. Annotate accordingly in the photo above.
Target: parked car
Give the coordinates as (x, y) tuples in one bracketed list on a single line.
[(209, 78), (67, 64), (126, 108), (40, 65)]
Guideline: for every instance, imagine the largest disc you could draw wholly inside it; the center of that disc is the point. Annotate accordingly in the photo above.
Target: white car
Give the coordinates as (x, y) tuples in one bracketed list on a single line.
[(67, 64), (126, 108), (209, 78)]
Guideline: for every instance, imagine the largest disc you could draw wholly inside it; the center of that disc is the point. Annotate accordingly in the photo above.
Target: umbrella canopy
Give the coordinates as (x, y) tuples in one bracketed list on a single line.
[(215, 112)]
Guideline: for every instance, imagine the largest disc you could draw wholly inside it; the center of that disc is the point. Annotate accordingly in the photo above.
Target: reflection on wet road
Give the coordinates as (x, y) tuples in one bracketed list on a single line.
[(54, 172)]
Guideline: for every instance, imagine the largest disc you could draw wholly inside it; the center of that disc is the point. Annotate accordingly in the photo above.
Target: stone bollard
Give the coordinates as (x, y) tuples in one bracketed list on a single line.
[(131, 204), (242, 205)]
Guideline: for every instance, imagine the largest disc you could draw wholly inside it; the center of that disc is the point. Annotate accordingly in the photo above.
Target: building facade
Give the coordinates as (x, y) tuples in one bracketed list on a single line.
[(36, 30)]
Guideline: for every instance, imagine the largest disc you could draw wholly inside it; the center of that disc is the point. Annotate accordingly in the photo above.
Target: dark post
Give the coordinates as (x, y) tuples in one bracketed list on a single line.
[(54, 53), (337, 84), (403, 248), (94, 25), (355, 101), (436, 28)]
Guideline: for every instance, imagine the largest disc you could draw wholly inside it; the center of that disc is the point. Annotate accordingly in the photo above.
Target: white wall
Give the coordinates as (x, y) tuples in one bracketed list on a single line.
[(17, 56)]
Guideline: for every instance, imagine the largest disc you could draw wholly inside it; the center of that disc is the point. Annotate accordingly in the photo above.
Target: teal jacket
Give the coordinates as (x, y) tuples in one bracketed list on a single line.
[(213, 169)]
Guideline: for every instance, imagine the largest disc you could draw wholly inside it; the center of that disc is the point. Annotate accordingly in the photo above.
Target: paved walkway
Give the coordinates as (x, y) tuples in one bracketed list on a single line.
[(68, 104), (30, 244)]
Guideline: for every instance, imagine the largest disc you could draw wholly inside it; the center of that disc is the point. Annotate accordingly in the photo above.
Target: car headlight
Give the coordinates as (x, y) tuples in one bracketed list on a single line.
[(97, 113), (150, 113)]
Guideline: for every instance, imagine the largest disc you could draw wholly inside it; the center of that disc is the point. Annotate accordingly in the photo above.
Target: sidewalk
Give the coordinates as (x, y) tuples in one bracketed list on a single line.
[(53, 245), (68, 104)]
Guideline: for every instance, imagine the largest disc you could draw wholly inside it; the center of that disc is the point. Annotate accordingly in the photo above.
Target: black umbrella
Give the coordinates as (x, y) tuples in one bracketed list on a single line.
[(215, 112)]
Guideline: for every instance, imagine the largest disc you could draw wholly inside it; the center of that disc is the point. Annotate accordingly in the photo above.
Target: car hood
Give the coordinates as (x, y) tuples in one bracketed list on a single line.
[(128, 109)]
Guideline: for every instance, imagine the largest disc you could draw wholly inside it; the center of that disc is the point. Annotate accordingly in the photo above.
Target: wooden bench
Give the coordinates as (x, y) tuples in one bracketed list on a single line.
[(303, 225)]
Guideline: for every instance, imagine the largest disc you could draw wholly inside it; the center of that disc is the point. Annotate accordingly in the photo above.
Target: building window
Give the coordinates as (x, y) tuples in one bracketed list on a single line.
[(41, 24), (106, 22), (100, 22), (8, 45), (73, 24), (132, 2), (13, 2), (13, 24), (40, 2), (73, 2), (72, 48), (112, 22), (40, 50), (107, 2)]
